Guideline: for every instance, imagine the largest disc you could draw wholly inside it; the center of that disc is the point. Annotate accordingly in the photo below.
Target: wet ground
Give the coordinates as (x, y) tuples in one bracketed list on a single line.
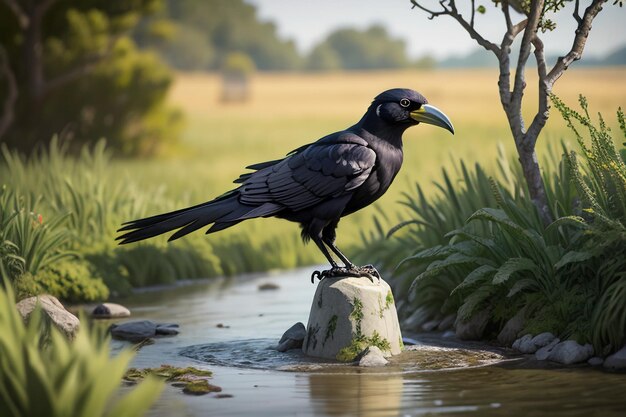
[(229, 327)]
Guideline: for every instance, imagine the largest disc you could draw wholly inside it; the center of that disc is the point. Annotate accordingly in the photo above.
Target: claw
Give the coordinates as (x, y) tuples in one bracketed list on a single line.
[(367, 271)]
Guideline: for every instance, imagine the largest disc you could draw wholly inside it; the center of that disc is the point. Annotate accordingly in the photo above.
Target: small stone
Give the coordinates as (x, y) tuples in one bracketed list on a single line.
[(616, 360), (569, 352), (595, 361), (292, 338), (134, 331), (62, 319), (268, 286), (224, 396), (222, 326), (447, 323), (543, 339), (167, 329), (372, 356), (109, 311), (430, 325), (524, 339), (526, 345), (473, 328), (543, 353), (512, 328)]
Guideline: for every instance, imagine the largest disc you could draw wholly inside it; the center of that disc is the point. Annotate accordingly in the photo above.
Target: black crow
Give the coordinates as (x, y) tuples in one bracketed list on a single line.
[(314, 185)]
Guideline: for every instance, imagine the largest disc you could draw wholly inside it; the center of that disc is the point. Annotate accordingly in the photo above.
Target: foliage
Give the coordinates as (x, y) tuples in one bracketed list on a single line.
[(372, 48), (42, 373), (88, 81), (200, 34), (570, 276), (80, 203)]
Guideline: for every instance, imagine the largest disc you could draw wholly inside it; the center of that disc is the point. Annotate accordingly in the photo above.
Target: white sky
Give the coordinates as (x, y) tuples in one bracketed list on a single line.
[(309, 21)]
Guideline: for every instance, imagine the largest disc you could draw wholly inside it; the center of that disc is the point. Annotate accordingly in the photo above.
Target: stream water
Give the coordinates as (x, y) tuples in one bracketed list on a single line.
[(229, 326)]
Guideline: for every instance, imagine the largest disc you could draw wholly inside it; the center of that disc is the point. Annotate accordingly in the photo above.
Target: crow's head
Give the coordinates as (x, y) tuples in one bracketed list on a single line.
[(405, 107)]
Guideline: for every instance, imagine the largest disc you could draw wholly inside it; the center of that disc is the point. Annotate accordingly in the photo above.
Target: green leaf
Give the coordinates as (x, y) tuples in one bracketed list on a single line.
[(512, 266), (573, 257)]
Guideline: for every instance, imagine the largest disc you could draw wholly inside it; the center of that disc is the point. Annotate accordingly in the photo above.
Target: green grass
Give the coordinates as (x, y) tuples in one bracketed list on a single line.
[(44, 374), (481, 245), (90, 196)]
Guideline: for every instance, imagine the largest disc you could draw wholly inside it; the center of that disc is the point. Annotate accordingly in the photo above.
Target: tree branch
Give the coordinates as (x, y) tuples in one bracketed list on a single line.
[(473, 13), (543, 110), (530, 32), (576, 13), (576, 52), (8, 113), (22, 18), (432, 13)]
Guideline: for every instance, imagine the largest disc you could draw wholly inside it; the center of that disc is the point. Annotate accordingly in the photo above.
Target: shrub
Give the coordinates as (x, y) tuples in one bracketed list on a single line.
[(44, 374)]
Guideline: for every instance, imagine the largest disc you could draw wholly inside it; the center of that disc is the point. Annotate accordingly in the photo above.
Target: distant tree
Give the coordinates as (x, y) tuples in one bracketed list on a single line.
[(323, 58), (67, 67), (534, 19), (221, 26), (372, 48)]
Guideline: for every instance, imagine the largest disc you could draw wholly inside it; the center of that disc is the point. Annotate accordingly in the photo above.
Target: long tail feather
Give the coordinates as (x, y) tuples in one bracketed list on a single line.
[(223, 212)]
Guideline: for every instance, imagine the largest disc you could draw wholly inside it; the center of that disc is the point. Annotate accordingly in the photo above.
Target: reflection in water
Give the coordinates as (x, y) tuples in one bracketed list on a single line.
[(364, 395)]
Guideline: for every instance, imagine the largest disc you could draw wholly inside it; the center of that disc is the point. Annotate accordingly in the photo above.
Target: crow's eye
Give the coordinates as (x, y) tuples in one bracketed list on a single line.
[(405, 102)]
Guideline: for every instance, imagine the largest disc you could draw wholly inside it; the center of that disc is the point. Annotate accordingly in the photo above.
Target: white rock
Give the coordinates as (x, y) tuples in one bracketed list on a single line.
[(110, 311), (616, 360), (595, 361), (430, 325), (522, 340), (348, 315), (543, 339), (372, 356), (569, 352), (447, 323), (62, 319), (526, 344), (543, 353), (473, 328), (511, 329)]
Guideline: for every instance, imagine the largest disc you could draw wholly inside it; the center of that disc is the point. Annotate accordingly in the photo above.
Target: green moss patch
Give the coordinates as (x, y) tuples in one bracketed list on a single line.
[(200, 387), (193, 381), (330, 329), (359, 343)]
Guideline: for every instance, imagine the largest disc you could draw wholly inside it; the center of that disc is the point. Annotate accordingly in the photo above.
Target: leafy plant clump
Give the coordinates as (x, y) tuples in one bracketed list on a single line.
[(42, 373), (58, 217), (570, 276)]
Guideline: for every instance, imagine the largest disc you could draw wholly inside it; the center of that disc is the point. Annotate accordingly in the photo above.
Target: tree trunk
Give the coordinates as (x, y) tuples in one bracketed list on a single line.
[(534, 180)]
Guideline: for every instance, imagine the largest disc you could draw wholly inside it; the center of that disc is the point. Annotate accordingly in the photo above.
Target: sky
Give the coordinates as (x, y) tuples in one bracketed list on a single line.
[(309, 21)]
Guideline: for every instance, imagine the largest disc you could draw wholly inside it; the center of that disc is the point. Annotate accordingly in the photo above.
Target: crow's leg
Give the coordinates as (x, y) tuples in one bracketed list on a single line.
[(367, 271)]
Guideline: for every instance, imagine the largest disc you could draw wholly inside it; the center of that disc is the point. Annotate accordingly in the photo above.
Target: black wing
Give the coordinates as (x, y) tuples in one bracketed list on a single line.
[(328, 168)]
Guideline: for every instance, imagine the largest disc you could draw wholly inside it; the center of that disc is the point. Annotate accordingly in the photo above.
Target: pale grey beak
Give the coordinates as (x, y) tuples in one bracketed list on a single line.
[(432, 116)]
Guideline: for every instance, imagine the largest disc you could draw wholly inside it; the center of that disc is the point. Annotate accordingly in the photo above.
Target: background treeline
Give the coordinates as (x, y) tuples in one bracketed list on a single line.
[(199, 35)]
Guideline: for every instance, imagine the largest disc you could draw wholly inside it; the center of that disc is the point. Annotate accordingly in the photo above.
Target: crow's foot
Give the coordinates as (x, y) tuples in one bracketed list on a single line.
[(367, 271)]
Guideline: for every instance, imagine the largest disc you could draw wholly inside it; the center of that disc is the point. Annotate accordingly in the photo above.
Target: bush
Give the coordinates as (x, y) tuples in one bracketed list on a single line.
[(569, 276), (44, 374)]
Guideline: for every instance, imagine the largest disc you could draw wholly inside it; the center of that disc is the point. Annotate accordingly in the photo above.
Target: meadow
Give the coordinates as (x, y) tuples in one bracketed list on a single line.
[(87, 198), (287, 111)]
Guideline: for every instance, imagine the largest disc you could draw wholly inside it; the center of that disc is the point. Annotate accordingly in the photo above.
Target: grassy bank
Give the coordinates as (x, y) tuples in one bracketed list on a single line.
[(76, 204), (479, 246)]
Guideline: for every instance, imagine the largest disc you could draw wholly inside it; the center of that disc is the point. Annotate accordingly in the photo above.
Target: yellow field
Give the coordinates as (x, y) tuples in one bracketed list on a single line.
[(289, 110)]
